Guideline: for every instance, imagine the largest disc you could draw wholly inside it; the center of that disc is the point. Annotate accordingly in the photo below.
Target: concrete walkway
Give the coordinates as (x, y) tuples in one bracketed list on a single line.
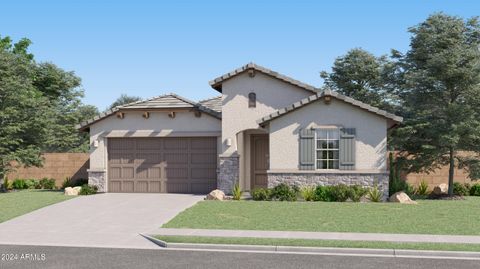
[(416, 238), (102, 220)]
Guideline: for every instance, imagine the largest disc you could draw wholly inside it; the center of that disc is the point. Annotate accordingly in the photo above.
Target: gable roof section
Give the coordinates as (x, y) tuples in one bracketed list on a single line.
[(396, 119), (166, 101), (214, 103), (217, 83)]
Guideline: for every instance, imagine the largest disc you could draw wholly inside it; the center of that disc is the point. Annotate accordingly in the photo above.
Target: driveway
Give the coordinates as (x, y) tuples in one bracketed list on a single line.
[(103, 220)]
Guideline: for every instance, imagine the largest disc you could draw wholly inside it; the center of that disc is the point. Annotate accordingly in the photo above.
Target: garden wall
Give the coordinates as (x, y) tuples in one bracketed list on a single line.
[(58, 166)]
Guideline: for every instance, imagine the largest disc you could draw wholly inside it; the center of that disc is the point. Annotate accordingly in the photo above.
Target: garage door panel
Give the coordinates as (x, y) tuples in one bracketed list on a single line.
[(177, 165)]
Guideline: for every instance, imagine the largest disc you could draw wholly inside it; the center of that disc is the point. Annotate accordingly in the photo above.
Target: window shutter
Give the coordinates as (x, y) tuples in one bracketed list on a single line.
[(307, 149), (347, 149)]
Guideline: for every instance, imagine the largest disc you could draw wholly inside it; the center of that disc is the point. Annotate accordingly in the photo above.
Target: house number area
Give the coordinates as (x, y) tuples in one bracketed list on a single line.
[(23, 257)]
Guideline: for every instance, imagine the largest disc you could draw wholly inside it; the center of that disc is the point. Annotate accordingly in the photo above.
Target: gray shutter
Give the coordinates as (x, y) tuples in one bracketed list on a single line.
[(307, 149), (347, 149)]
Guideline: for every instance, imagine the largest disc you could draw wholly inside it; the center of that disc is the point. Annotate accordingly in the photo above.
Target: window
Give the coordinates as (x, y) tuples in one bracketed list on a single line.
[(252, 99), (328, 141)]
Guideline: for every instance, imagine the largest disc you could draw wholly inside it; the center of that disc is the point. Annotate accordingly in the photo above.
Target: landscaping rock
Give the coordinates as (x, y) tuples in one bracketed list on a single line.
[(402, 198), (216, 195), (69, 191), (440, 189)]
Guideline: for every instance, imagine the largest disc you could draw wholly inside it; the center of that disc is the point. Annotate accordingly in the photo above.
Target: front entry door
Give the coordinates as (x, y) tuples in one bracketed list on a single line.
[(260, 161)]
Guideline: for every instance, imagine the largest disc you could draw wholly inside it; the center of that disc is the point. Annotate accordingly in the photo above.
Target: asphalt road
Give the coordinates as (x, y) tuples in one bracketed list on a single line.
[(73, 257)]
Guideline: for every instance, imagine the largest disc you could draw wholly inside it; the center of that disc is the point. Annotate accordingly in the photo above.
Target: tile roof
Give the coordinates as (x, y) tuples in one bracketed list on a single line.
[(166, 101), (322, 94), (217, 83), (214, 103)]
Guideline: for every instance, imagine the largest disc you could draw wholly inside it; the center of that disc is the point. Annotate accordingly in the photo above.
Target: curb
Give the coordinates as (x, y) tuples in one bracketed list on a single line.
[(365, 252)]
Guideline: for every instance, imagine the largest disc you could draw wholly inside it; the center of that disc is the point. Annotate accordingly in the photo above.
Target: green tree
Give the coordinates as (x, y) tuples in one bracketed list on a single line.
[(440, 87), (362, 76), (23, 113), (124, 99)]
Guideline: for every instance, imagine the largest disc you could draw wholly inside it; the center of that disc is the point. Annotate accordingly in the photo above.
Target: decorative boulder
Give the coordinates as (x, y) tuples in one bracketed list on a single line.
[(69, 191), (440, 189), (402, 198), (216, 195)]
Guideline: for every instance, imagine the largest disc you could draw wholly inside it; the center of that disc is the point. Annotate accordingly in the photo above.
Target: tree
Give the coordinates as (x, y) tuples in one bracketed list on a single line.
[(440, 87), (23, 115), (124, 99), (362, 76)]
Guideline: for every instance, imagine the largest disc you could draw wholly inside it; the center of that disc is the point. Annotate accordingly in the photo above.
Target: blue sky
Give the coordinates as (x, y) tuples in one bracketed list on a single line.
[(148, 48)]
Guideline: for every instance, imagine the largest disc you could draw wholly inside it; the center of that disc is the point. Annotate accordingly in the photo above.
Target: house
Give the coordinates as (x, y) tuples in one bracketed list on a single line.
[(264, 129)]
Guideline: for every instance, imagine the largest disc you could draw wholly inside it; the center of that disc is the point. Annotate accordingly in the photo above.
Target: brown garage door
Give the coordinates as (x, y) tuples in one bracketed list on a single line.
[(175, 165)]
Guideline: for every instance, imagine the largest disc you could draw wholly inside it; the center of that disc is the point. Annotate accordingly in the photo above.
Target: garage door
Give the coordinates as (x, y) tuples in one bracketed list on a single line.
[(174, 165)]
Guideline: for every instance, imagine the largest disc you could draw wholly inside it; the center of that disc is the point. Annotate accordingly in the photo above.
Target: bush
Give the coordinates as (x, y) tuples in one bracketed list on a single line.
[(7, 184), (323, 193), (32, 184), (88, 190), (475, 190), (47, 183), (19, 184), (422, 188), (340, 193), (356, 192), (308, 193), (283, 192), (69, 182), (460, 189), (260, 194), (236, 192), (374, 194), (398, 184)]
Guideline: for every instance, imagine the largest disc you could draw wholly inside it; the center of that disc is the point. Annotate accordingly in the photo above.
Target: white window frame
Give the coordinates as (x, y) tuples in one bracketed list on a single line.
[(317, 149)]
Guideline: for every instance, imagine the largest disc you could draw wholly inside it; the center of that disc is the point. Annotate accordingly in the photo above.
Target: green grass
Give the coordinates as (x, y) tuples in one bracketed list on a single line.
[(458, 217), (318, 243), (14, 204)]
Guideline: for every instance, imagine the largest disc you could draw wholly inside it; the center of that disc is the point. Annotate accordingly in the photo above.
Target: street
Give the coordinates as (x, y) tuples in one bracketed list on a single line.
[(75, 257)]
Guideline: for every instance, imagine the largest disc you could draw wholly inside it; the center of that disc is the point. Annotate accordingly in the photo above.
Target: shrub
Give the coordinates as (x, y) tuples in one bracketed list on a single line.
[(283, 192), (422, 188), (47, 183), (374, 194), (32, 184), (323, 193), (80, 182), (88, 190), (7, 184), (67, 183), (460, 189), (356, 192), (308, 193), (260, 194), (236, 192), (340, 193), (475, 190), (19, 184)]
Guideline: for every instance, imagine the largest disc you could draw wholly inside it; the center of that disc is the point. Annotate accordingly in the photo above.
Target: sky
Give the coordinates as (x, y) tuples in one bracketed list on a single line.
[(149, 48)]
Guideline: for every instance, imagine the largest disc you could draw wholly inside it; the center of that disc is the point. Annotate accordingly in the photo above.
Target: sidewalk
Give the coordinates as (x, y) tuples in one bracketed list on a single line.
[(416, 238)]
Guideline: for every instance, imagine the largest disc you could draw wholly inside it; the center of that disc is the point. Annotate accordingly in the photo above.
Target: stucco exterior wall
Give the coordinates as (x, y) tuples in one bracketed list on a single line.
[(272, 94), (157, 125), (371, 137)]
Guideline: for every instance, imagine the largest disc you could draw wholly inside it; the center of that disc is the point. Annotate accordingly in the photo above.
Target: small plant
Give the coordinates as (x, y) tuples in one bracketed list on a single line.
[(19, 184), (66, 183), (475, 190), (236, 192), (340, 193), (308, 193), (356, 192), (260, 194), (374, 194), (323, 193), (283, 192), (422, 188), (460, 189), (47, 183), (31, 183), (88, 190), (7, 184)]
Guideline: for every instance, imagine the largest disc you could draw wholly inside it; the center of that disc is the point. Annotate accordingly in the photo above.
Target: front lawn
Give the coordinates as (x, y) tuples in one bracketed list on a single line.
[(317, 243), (14, 204), (458, 217)]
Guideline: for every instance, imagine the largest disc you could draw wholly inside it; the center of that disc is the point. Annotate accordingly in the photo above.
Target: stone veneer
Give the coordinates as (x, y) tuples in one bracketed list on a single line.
[(228, 173), (98, 178), (313, 179)]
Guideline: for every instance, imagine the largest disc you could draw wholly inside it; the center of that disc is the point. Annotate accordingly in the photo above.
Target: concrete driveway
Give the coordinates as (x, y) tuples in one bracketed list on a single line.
[(103, 220)]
